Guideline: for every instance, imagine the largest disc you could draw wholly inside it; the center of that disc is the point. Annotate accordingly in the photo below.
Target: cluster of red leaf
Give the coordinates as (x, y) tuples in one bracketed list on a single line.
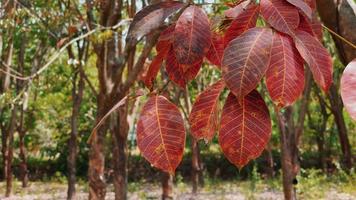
[(246, 54)]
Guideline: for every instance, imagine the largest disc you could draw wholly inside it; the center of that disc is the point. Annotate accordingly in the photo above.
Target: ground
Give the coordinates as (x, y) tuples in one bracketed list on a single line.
[(213, 190)]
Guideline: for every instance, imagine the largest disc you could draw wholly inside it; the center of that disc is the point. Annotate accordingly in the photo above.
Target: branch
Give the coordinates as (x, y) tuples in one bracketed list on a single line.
[(92, 88), (151, 41), (339, 36), (56, 55)]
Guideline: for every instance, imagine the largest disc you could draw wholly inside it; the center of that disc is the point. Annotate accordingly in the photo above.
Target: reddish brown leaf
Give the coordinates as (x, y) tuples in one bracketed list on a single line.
[(245, 20), (317, 57), (193, 71), (312, 27), (204, 116), (151, 18), (317, 27), (163, 46), (285, 74), (165, 39), (153, 70), (303, 6), (245, 128), (348, 88), (281, 15), (175, 70), (232, 13), (245, 60), (192, 36), (311, 4), (161, 134), (216, 50)]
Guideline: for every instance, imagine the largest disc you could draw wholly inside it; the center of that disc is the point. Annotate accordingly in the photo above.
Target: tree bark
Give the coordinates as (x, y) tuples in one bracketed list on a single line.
[(288, 152), (270, 163), (10, 151), (320, 129), (337, 110), (167, 186), (120, 156), (5, 81), (290, 135), (97, 185), (21, 128), (340, 16), (77, 96), (23, 156)]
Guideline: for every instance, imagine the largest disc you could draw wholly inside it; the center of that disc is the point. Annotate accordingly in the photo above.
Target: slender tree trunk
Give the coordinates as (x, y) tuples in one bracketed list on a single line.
[(77, 96), (10, 151), (119, 136), (5, 80), (21, 129), (195, 172), (290, 134), (97, 184), (340, 16), (23, 157), (337, 110), (167, 186), (4, 151), (195, 166), (321, 131), (270, 162), (288, 148)]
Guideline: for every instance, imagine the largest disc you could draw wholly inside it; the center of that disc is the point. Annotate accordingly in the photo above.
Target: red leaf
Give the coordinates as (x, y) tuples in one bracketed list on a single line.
[(285, 74), (216, 50), (232, 13), (280, 15), (161, 134), (175, 70), (204, 116), (192, 36), (163, 46), (165, 39), (312, 27), (245, 128), (152, 17), (311, 4), (193, 71), (153, 70), (348, 88), (245, 20), (245, 60), (317, 57), (303, 6)]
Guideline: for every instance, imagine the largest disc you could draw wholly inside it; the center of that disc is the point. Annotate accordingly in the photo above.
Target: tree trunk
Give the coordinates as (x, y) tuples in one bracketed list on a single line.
[(195, 165), (337, 110), (77, 96), (10, 151), (119, 136), (320, 130), (21, 128), (5, 81), (4, 150), (167, 186), (340, 16), (23, 157), (97, 185), (270, 163), (288, 152)]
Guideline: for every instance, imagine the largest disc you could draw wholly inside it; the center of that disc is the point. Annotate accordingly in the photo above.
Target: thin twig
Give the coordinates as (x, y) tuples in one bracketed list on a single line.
[(339, 36)]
